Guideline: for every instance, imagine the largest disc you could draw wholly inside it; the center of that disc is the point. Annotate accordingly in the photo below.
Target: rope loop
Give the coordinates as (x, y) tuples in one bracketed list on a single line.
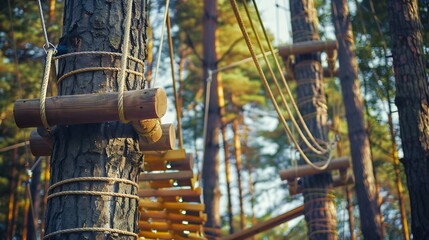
[(44, 89), (92, 229)]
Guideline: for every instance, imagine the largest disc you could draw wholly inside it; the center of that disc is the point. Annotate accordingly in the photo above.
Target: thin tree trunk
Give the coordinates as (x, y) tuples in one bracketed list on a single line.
[(35, 197), (366, 191), (319, 207), (26, 210), (210, 172), (227, 157), (47, 177), (250, 178), (101, 149), (16, 206), (238, 166), (12, 184), (412, 100)]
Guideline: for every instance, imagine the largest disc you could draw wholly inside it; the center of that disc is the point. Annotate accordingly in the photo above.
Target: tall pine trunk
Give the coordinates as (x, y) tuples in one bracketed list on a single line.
[(238, 167), (412, 101), (210, 171), (319, 207), (12, 190), (102, 149), (366, 191), (35, 198)]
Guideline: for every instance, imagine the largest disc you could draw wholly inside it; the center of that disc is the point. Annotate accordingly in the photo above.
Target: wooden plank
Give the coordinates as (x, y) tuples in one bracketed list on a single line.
[(169, 192), (155, 235), (174, 217), (188, 182), (168, 205), (306, 170), (91, 108), (307, 47), (165, 226), (172, 155), (166, 176), (267, 225), (337, 181)]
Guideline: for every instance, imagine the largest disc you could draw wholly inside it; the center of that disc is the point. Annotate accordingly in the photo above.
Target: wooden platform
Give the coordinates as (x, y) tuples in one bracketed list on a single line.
[(170, 204)]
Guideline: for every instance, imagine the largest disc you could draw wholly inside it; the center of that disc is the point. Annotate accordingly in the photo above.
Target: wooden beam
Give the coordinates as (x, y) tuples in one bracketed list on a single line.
[(174, 217), (149, 130), (91, 108), (168, 163), (188, 182), (165, 226), (306, 170), (166, 142), (169, 192), (43, 146), (267, 225), (171, 205), (155, 235), (337, 181), (166, 176), (307, 47)]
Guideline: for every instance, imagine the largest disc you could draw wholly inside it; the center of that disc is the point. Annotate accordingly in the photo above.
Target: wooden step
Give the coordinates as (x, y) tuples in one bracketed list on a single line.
[(165, 226), (166, 176), (174, 217), (170, 205), (172, 160), (172, 183), (155, 235), (169, 192)]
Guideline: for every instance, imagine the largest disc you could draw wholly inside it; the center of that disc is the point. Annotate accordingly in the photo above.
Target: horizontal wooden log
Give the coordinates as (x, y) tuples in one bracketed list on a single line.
[(193, 199), (40, 146), (164, 226), (166, 176), (91, 108), (43, 146), (169, 192), (156, 235), (188, 182), (182, 161), (145, 204), (267, 225), (165, 143), (306, 170), (149, 130), (337, 181), (174, 217), (307, 47)]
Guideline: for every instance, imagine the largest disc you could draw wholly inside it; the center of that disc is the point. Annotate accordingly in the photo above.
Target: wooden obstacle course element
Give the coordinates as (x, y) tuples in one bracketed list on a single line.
[(149, 130), (307, 47), (169, 192), (166, 142), (306, 170), (173, 160), (171, 205), (91, 108), (337, 181), (165, 226), (43, 146), (264, 226), (156, 235), (166, 176), (173, 217)]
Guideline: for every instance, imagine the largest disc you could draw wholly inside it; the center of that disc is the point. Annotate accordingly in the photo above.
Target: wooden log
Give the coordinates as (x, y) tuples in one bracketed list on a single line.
[(165, 226), (166, 142), (40, 146), (194, 199), (43, 146), (149, 130), (166, 176), (169, 192), (91, 108), (307, 47), (267, 225), (188, 182), (337, 181), (182, 161), (306, 170)]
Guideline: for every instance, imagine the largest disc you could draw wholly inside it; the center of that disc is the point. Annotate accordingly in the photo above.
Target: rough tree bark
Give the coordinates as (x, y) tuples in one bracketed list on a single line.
[(319, 207), (210, 171), (102, 149), (366, 191), (412, 101)]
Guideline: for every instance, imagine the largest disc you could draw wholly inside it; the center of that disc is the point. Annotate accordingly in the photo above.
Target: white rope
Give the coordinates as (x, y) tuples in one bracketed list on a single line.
[(167, 4)]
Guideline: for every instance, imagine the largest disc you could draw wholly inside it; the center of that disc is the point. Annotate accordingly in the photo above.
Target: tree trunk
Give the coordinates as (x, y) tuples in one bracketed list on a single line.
[(210, 172), (102, 149), (47, 177), (412, 99), (12, 190), (319, 207), (359, 142), (238, 167), (227, 157), (35, 197)]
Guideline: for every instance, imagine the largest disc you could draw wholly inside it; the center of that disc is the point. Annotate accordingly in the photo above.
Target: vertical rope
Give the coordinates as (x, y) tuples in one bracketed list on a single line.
[(124, 61), (44, 89), (167, 4)]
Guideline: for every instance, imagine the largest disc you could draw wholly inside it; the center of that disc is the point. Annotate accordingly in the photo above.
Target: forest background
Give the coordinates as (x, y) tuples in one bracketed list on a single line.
[(266, 149)]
